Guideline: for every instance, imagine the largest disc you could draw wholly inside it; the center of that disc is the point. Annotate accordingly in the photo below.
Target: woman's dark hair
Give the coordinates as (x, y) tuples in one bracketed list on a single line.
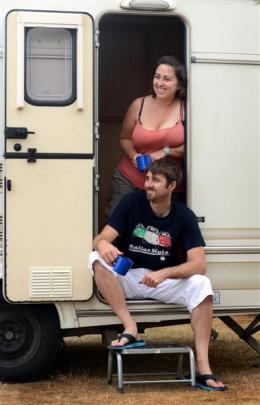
[(180, 73)]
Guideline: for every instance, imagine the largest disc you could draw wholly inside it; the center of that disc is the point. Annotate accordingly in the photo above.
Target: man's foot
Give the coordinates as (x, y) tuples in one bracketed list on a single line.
[(126, 341), (209, 382)]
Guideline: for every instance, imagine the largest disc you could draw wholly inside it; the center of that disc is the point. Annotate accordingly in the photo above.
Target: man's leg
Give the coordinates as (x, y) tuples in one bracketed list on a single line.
[(195, 293), (111, 290), (201, 322)]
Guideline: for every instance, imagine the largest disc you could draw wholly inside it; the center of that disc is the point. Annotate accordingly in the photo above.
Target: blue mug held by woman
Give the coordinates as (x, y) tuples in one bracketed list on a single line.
[(143, 162)]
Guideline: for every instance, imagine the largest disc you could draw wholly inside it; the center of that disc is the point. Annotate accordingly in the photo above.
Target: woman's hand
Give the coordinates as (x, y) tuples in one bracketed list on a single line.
[(157, 155), (177, 152), (133, 159)]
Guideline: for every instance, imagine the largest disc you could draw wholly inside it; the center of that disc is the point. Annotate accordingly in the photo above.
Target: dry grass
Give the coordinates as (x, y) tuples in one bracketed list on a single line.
[(80, 375)]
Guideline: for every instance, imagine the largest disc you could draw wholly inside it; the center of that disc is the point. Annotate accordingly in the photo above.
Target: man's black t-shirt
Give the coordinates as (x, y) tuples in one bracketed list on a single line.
[(150, 241)]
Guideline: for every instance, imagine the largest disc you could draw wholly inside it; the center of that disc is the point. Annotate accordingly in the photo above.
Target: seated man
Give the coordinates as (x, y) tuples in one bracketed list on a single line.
[(150, 227)]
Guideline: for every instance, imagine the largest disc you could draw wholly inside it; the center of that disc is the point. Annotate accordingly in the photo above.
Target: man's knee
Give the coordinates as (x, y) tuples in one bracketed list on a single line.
[(202, 282), (200, 291), (97, 267), (97, 264), (100, 271)]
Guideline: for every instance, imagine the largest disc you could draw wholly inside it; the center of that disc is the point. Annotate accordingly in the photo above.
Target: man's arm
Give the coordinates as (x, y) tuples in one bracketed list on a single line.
[(103, 243), (195, 264)]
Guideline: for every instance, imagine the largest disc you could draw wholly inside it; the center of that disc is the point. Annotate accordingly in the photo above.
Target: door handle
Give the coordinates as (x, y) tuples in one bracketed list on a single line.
[(17, 132)]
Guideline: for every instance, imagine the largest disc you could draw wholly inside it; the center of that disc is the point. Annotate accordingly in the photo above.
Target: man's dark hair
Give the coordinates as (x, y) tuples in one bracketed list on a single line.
[(180, 73), (168, 167)]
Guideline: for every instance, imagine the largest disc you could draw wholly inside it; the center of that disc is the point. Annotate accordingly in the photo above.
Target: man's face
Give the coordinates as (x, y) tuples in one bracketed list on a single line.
[(156, 187)]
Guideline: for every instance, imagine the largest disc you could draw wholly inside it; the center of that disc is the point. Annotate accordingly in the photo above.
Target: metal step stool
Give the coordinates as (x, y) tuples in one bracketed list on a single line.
[(150, 349)]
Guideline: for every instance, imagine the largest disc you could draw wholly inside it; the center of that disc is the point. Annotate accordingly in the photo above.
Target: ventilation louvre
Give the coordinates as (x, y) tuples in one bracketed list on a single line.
[(50, 282)]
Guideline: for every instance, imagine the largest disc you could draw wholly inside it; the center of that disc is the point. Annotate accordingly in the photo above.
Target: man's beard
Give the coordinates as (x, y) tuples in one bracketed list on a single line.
[(150, 194)]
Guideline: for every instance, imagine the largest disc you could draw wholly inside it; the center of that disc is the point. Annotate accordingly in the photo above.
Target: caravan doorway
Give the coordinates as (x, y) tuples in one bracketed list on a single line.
[(130, 45)]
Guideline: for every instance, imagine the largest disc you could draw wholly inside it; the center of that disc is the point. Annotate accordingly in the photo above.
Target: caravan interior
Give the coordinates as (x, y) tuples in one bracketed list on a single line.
[(129, 48)]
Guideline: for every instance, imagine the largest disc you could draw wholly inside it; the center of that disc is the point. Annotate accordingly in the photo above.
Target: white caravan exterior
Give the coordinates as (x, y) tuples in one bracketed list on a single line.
[(69, 70)]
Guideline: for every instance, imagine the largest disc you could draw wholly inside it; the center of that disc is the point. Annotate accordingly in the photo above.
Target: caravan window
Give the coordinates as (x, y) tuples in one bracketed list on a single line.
[(50, 66)]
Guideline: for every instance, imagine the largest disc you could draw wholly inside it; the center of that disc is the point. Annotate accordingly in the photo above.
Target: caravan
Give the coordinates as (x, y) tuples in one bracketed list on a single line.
[(64, 94)]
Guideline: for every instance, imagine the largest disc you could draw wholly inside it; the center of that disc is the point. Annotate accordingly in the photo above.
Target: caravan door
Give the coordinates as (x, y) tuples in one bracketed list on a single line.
[(48, 156)]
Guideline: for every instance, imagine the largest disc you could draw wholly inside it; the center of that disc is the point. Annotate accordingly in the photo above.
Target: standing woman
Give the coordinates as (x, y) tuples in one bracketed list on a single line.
[(153, 125)]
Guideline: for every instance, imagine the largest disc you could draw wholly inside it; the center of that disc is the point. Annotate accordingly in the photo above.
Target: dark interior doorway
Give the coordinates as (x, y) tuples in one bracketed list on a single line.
[(130, 44)]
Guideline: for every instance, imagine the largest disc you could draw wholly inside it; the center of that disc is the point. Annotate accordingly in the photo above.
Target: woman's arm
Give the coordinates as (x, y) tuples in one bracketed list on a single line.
[(128, 125), (177, 152)]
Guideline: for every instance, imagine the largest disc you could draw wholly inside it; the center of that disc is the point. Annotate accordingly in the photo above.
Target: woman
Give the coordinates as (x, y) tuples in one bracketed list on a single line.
[(153, 125)]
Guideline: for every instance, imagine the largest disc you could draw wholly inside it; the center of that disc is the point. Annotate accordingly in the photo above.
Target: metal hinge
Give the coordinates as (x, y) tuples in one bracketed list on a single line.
[(96, 130), (201, 219), (96, 182), (97, 39), (8, 185)]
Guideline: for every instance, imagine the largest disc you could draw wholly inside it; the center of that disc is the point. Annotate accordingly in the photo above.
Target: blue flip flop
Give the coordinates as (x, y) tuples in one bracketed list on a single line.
[(133, 343), (201, 382)]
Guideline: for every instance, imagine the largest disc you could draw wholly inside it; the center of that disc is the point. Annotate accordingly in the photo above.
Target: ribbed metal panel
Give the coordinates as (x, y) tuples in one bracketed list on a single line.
[(50, 282)]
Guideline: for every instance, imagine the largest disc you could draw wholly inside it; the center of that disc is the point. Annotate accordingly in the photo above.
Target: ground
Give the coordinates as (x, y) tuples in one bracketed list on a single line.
[(79, 376)]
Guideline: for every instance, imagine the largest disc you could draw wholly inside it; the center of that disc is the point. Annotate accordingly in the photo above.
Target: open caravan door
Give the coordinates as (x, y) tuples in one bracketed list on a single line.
[(48, 156)]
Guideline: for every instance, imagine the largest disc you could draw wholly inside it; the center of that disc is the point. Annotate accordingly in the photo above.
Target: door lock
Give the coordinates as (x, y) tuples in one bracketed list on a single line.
[(17, 147)]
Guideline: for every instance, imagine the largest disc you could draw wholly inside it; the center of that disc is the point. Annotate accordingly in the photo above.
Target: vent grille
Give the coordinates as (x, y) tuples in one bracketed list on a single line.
[(50, 282)]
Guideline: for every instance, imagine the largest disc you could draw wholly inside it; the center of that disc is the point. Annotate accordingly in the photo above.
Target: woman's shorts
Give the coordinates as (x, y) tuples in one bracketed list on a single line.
[(120, 186)]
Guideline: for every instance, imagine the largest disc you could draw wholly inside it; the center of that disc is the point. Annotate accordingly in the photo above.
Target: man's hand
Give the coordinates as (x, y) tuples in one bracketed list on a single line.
[(103, 243), (153, 278), (107, 251)]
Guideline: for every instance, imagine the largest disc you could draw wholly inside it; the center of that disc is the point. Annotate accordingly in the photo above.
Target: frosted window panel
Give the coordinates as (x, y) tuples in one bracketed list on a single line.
[(49, 65)]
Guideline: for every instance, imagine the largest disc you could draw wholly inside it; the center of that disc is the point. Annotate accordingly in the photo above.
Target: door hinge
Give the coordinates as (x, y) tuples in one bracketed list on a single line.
[(96, 182), (201, 219), (31, 157), (96, 130), (97, 44), (8, 185)]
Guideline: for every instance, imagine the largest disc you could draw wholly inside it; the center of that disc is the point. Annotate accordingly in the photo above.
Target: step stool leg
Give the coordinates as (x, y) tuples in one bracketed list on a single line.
[(119, 371), (192, 368), (180, 364), (109, 367)]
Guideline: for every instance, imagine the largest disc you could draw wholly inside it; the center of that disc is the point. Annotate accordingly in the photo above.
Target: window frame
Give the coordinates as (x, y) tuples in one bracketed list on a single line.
[(73, 96)]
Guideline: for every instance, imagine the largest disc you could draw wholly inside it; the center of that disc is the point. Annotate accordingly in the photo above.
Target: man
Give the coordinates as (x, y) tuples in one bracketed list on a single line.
[(150, 228)]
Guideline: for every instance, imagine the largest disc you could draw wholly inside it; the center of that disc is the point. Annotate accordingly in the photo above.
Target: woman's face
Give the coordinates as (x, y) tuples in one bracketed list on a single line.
[(165, 83)]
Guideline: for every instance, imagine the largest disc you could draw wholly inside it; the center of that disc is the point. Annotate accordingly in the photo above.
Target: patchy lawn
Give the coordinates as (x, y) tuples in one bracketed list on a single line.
[(80, 374)]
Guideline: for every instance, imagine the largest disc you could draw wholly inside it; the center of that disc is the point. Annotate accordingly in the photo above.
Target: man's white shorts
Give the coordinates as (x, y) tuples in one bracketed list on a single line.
[(190, 291)]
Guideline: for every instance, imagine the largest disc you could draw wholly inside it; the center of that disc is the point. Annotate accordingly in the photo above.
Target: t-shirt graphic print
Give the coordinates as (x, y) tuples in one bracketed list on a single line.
[(153, 242)]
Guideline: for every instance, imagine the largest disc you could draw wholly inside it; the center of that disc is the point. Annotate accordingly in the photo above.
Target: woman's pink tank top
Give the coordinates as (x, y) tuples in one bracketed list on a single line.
[(148, 141)]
